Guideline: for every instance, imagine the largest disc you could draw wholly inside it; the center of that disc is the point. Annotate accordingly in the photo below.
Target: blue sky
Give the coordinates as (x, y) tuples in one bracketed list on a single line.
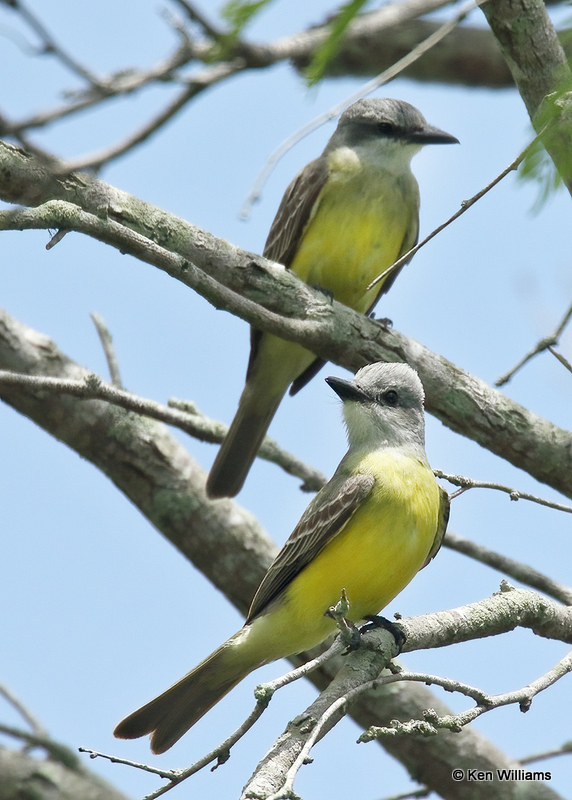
[(102, 613)]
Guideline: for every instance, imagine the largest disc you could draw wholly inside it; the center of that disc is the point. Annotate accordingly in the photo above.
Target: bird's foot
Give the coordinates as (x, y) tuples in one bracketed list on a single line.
[(376, 621), (326, 292), (383, 322)]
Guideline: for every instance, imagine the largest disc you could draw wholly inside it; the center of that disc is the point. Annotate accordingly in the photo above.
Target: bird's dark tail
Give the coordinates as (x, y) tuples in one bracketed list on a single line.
[(169, 716), (240, 446)]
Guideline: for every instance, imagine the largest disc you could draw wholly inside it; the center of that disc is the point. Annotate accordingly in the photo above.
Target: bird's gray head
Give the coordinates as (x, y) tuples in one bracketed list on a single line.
[(386, 122), (383, 407)]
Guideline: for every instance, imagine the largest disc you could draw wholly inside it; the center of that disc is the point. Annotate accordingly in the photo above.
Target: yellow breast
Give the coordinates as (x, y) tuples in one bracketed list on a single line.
[(363, 221), (373, 558)]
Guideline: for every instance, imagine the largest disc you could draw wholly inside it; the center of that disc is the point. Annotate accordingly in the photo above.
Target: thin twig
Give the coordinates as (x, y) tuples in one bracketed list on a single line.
[(515, 494), (204, 80), (465, 205), (560, 357), (51, 46), (36, 726), (168, 774), (195, 424), (107, 344), (220, 754), (485, 702), (197, 16), (546, 343), (56, 238), (565, 750), (121, 83), (508, 566), (268, 688)]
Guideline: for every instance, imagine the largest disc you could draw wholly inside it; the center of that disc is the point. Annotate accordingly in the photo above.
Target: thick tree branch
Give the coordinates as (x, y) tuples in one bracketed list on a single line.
[(162, 480), (502, 612), (539, 67), (144, 461), (273, 299), (530, 46), (469, 55)]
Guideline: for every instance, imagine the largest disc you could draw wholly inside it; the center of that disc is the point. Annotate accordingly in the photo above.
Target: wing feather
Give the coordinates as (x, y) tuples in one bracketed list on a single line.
[(294, 212), (444, 509), (323, 520), (292, 217)]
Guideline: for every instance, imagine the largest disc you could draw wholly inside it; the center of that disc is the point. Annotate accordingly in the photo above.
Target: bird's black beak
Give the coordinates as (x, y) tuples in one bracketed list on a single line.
[(431, 135), (346, 390)]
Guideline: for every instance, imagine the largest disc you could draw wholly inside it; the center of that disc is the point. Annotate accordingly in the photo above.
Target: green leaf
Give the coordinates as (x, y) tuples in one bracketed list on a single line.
[(552, 120), (537, 167), (238, 13), (328, 49)]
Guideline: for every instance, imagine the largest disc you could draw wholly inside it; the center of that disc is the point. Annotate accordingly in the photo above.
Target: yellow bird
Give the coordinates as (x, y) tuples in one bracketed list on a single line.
[(372, 527), (345, 218)]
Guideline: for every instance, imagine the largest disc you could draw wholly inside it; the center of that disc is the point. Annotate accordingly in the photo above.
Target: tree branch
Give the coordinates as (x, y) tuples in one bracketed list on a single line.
[(23, 775), (546, 343), (539, 67), (273, 299), (392, 32), (508, 566), (154, 471), (361, 673), (181, 415), (432, 723), (52, 47), (471, 483)]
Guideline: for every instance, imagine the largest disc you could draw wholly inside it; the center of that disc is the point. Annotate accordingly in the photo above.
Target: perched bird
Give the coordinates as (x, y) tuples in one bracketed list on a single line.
[(345, 218), (372, 527)]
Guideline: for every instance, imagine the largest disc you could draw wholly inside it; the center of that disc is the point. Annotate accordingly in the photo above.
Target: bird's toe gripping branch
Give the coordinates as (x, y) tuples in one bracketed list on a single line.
[(377, 621)]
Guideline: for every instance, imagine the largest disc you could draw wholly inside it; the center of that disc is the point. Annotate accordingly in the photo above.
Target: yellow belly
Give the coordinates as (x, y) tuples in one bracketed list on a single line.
[(374, 557), (361, 226), (359, 229)]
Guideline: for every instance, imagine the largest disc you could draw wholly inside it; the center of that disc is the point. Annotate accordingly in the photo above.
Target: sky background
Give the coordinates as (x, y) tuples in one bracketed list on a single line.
[(100, 613)]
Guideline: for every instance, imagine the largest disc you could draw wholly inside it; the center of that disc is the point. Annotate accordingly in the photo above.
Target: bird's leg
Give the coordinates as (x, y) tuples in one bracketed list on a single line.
[(350, 633)]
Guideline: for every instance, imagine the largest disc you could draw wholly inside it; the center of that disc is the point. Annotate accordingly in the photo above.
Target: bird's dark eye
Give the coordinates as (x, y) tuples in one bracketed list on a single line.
[(391, 398), (385, 128)]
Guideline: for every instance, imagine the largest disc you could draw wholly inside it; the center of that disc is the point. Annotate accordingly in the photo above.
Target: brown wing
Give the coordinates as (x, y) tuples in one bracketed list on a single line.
[(293, 215), (444, 509), (324, 519), (294, 212)]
